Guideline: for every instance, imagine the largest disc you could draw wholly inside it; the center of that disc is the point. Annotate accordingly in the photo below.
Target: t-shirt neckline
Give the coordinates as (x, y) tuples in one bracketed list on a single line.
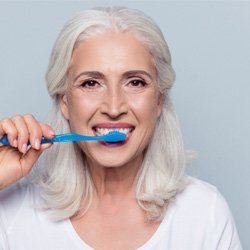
[(79, 242)]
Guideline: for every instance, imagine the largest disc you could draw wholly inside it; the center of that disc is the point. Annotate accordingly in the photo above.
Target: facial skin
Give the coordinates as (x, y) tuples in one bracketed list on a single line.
[(112, 84)]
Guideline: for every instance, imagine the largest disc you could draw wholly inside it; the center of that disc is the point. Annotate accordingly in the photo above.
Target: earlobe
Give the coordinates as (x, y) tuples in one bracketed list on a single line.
[(64, 106)]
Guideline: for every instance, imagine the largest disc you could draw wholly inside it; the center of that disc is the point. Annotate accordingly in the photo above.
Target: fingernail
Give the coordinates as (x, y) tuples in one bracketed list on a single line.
[(24, 148), (15, 143), (37, 144)]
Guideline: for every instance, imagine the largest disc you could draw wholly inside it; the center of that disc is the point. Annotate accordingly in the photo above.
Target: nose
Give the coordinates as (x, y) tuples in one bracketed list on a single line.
[(114, 103)]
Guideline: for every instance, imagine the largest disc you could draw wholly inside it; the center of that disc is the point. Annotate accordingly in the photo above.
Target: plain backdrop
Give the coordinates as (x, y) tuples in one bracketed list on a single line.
[(210, 46)]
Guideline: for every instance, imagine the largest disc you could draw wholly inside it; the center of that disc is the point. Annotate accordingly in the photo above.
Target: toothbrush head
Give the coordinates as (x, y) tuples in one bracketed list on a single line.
[(115, 136)]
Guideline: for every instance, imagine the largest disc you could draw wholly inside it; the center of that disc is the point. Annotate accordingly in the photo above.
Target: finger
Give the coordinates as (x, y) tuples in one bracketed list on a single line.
[(47, 131), (29, 159), (23, 133), (8, 128), (35, 131)]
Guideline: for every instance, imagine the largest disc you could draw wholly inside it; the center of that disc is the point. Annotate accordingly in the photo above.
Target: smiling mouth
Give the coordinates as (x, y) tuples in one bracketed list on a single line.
[(103, 131)]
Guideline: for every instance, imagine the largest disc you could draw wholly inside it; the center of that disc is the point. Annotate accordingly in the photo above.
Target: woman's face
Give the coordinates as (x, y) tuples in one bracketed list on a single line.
[(112, 86)]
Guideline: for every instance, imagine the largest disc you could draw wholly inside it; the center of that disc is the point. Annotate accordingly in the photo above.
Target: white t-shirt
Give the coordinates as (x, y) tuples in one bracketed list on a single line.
[(199, 219)]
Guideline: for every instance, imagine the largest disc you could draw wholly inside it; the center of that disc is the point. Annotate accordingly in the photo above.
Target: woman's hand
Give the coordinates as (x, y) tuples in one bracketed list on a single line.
[(17, 160)]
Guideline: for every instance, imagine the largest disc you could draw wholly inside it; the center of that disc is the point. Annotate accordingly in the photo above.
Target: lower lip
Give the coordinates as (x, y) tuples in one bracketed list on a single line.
[(116, 144)]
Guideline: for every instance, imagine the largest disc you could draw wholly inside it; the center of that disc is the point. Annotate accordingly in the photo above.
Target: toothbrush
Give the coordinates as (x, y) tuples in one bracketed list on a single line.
[(114, 136)]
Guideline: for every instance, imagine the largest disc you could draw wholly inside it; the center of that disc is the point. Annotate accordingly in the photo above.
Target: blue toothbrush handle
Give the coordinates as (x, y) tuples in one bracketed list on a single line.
[(46, 140), (58, 138), (71, 137), (4, 140)]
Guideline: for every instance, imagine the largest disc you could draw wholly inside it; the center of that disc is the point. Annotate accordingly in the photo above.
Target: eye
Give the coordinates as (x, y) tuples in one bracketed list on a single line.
[(137, 83), (90, 84)]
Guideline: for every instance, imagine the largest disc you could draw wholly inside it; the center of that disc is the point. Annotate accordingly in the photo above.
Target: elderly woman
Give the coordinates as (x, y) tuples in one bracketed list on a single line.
[(110, 69)]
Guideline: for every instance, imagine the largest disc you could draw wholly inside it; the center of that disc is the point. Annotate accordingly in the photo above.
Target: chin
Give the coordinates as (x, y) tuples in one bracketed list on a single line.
[(111, 163)]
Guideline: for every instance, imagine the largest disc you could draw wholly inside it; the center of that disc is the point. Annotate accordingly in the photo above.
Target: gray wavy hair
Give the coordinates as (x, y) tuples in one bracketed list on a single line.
[(66, 180)]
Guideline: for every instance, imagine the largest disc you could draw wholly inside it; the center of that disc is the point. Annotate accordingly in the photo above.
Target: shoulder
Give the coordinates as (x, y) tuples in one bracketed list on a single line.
[(198, 187), (196, 193), (16, 192), (13, 194), (202, 197), (200, 206), (13, 198)]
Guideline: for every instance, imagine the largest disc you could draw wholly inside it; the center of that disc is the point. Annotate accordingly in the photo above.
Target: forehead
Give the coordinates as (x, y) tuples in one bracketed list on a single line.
[(117, 51)]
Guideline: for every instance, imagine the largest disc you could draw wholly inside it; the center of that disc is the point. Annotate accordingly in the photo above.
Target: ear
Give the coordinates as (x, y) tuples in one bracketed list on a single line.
[(64, 106), (160, 104)]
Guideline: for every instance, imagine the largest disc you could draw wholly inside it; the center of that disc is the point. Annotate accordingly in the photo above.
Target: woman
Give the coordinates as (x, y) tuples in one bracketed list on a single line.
[(110, 69)]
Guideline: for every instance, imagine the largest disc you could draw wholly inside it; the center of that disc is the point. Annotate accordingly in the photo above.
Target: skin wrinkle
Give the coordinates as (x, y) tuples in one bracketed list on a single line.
[(99, 75), (107, 61)]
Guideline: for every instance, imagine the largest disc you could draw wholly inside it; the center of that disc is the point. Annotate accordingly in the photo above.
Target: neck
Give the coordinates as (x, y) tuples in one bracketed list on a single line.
[(114, 182)]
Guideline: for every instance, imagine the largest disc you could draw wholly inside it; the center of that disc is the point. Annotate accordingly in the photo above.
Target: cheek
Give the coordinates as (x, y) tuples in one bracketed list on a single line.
[(82, 107), (145, 107)]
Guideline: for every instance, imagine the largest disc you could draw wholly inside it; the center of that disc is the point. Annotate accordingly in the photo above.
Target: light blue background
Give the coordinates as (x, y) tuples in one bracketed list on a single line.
[(210, 45)]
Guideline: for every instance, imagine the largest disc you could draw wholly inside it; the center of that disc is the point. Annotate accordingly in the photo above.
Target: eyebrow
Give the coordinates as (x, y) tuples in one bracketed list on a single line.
[(94, 74), (99, 75), (137, 72)]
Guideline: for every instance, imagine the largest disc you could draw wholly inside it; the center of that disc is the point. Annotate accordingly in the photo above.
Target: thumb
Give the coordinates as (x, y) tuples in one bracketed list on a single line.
[(29, 159)]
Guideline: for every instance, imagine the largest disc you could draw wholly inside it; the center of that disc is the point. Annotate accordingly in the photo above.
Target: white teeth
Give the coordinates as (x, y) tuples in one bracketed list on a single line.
[(104, 131)]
